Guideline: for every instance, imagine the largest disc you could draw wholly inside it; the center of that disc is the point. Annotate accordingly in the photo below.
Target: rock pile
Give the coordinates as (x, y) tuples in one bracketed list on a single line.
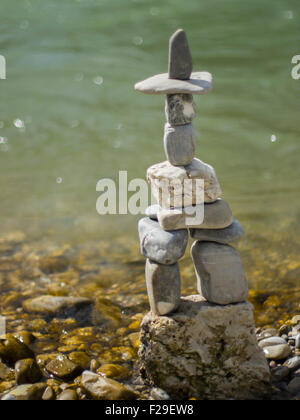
[(164, 234), (184, 186)]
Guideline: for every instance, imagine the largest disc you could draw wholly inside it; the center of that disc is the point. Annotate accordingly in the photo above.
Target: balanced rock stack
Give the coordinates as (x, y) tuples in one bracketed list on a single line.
[(204, 345)]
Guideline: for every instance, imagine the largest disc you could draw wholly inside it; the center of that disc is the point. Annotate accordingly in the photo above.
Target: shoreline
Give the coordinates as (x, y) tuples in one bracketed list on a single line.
[(103, 335)]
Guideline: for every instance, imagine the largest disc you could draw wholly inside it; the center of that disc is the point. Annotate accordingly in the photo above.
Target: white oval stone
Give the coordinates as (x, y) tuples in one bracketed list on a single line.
[(199, 84)]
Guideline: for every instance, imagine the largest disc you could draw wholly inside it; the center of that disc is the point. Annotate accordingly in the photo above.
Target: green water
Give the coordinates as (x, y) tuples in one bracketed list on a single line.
[(80, 131)]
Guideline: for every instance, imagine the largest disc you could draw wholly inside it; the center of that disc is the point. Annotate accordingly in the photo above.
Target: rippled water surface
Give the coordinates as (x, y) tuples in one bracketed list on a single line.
[(69, 116)]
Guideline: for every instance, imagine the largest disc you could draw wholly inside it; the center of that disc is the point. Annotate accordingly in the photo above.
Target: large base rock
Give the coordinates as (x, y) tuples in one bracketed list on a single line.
[(204, 351)]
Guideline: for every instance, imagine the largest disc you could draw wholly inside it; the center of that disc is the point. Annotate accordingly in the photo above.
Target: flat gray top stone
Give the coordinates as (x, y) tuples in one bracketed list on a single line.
[(180, 59), (199, 84)]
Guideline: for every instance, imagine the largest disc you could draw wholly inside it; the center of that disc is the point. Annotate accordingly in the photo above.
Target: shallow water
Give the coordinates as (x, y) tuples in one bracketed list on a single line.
[(71, 117)]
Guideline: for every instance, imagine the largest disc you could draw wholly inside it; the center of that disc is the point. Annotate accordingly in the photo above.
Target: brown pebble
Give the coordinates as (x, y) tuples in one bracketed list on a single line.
[(94, 365), (25, 337), (284, 330), (49, 394), (68, 395), (12, 350), (27, 372)]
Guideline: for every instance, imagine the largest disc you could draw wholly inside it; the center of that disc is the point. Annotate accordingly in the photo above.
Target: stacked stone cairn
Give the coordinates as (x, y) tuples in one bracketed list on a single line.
[(164, 233), (202, 346)]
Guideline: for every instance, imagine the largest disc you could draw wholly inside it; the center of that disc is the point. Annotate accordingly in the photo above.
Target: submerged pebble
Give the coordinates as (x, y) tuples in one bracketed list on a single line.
[(26, 393), (5, 372), (63, 368), (114, 371), (68, 395), (12, 350), (27, 372), (55, 305), (109, 333), (49, 394)]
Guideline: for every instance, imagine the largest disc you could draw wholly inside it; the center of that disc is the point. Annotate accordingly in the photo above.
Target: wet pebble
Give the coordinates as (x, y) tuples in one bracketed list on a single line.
[(81, 359), (5, 372), (271, 341), (68, 395), (294, 386), (114, 371), (61, 367), (27, 372), (25, 337), (49, 394), (26, 393), (280, 373), (55, 305), (94, 365), (101, 388), (268, 333), (12, 350), (284, 330), (293, 363), (51, 265), (278, 352)]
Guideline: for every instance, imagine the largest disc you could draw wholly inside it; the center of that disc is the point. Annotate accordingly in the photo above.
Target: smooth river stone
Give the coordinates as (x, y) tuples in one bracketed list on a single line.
[(220, 274), (180, 58), (159, 245), (223, 236), (99, 388), (200, 83), (180, 109), (56, 305), (180, 144), (217, 215), (279, 352), (176, 186), (26, 392), (61, 367), (272, 341), (293, 363), (27, 371), (164, 287)]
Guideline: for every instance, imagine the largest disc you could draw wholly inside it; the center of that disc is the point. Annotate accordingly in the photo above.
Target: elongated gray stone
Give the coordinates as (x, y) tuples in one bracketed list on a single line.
[(223, 236), (217, 215), (160, 246), (180, 109), (179, 186), (220, 274), (164, 287), (180, 144), (200, 83), (180, 59), (271, 341)]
